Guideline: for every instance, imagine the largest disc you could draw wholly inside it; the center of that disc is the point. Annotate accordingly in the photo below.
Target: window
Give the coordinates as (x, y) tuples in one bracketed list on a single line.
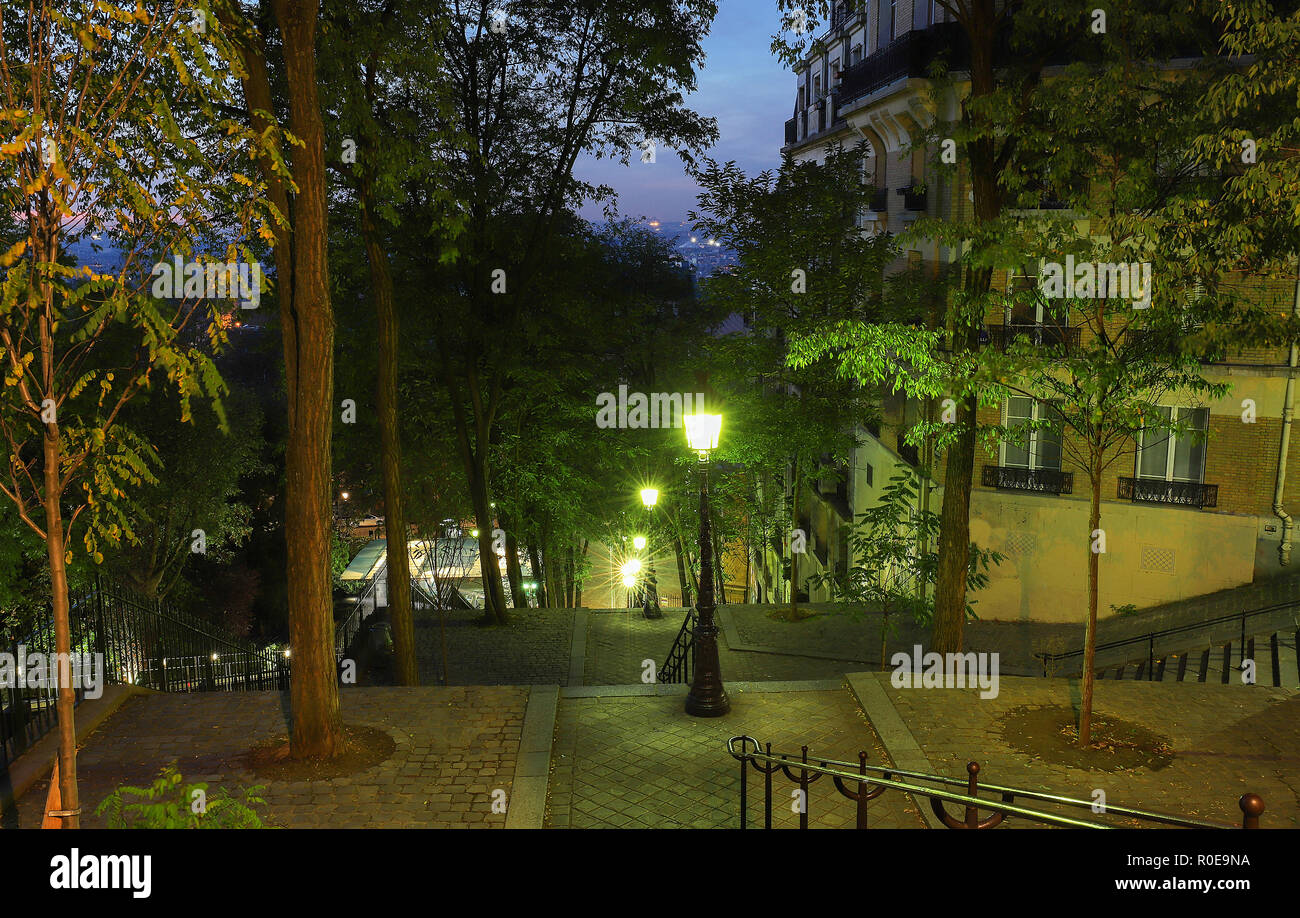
[(1035, 448), (893, 19), (1031, 307), (1166, 455), (855, 56)]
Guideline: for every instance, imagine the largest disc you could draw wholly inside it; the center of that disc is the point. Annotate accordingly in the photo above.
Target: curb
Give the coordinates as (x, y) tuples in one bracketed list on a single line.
[(898, 741), (527, 808)]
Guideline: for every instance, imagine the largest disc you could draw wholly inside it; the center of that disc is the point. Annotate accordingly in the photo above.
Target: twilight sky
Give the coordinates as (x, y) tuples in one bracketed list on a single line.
[(743, 86)]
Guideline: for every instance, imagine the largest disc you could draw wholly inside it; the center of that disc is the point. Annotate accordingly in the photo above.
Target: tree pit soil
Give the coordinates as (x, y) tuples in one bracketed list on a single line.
[(363, 749), (1049, 733)]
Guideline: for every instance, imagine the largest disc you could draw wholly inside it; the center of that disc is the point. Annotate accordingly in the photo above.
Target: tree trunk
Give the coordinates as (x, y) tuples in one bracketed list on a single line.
[(954, 536), (682, 579), (67, 694), (568, 576), (514, 571), (535, 560), (494, 597), (1090, 635), (308, 333), (390, 450), (577, 590)]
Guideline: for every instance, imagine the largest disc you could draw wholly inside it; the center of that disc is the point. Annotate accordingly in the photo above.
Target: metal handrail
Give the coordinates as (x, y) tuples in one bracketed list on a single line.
[(1150, 636), (1251, 805)]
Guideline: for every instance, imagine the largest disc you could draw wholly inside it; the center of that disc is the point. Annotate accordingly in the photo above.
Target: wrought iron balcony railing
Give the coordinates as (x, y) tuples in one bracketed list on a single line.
[(1012, 478), (913, 200), (1001, 336), (908, 56), (1180, 493)]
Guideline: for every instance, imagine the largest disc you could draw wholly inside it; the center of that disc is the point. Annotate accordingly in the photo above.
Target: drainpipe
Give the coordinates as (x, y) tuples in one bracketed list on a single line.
[(1288, 411)]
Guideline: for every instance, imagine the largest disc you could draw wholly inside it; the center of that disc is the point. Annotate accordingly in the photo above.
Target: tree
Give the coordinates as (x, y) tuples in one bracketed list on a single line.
[(801, 261), (533, 92), (299, 237), (141, 153)]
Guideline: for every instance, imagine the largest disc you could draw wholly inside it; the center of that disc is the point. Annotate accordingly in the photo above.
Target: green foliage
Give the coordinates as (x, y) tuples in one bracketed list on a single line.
[(895, 564), (1127, 608), (170, 803)]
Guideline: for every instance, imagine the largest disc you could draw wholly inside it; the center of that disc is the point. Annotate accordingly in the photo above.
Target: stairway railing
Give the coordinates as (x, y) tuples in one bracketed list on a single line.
[(1156, 663), (870, 781), (679, 667)]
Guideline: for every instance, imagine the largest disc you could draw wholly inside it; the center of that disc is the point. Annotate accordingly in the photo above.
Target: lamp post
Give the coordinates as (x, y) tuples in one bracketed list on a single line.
[(708, 696), (650, 608)]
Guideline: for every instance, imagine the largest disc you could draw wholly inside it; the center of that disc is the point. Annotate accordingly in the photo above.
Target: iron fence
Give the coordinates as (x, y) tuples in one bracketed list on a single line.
[(140, 641)]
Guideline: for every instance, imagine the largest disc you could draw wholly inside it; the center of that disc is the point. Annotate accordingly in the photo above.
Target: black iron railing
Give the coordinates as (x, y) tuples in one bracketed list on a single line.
[(880, 201), (908, 56), (362, 608), (913, 198), (1158, 491), (1043, 481), (679, 668), (861, 783), (141, 641), (1051, 336), (1153, 668)]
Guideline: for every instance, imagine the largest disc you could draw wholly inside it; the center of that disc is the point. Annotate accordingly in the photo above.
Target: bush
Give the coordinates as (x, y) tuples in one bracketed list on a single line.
[(169, 803)]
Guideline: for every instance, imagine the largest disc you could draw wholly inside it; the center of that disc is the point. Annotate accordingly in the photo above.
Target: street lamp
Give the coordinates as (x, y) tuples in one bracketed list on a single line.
[(650, 604), (708, 696)]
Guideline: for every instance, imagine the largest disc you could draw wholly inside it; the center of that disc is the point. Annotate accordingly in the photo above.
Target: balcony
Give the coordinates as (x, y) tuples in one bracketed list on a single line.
[(1179, 493), (913, 200), (1057, 336), (910, 454), (791, 131), (1043, 481), (909, 56)]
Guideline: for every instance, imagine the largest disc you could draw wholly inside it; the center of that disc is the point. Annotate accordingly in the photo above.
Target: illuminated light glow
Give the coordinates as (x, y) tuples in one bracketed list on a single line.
[(214, 656), (629, 582), (474, 533), (702, 431), (638, 542), (631, 567), (345, 495), (649, 496)]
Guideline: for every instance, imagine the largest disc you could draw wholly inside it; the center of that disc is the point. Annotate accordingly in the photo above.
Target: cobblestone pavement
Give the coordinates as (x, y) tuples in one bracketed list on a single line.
[(641, 761), (532, 650), (455, 746), (1227, 740)]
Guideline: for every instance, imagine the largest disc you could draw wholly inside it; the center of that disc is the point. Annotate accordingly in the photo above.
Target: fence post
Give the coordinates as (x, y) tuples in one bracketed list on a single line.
[(1252, 806)]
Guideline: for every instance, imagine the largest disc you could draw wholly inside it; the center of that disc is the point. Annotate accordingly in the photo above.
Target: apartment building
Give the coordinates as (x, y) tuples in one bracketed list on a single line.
[(1183, 516)]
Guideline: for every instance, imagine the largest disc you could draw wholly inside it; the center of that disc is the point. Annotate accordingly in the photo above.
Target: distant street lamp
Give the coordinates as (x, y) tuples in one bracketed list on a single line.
[(708, 697), (650, 605)]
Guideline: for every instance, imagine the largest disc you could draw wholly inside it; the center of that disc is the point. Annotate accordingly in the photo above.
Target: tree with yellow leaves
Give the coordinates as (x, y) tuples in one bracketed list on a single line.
[(119, 164)]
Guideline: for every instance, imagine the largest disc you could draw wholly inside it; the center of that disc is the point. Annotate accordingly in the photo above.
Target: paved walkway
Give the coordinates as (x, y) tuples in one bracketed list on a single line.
[(533, 649), (641, 762), (1227, 740), (455, 746)]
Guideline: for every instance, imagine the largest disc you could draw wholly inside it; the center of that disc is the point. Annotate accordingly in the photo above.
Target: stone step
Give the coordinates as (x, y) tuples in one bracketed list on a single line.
[(1192, 662)]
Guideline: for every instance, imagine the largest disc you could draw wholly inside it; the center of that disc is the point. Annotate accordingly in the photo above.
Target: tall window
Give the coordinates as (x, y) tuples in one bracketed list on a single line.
[(855, 56), (1165, 455), (893, 19), (1029, 448)]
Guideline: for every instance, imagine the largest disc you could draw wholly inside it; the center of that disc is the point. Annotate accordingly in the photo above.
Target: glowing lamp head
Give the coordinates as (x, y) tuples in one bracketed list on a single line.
[(631, 567), (629, 582), (702, 431), (649, 496), (638, 542)]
